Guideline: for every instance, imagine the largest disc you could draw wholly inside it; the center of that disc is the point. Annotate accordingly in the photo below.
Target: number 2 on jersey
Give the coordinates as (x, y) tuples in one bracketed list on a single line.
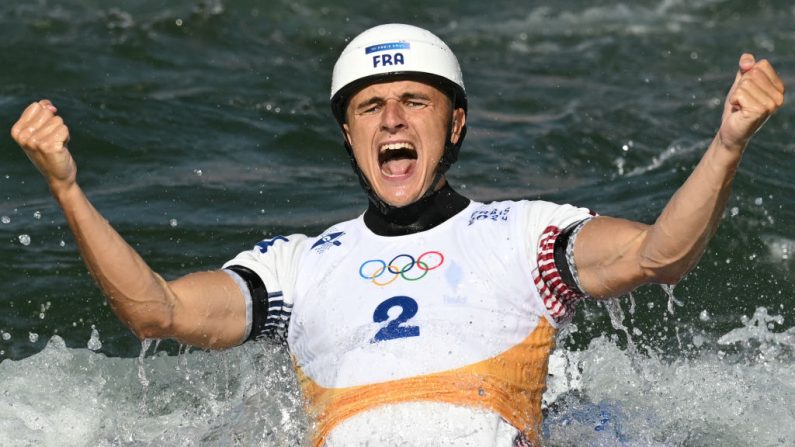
[(395, 328)]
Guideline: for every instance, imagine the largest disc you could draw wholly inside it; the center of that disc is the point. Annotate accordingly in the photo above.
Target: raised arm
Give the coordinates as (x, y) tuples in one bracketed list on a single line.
[(203, 309), (614, 256)]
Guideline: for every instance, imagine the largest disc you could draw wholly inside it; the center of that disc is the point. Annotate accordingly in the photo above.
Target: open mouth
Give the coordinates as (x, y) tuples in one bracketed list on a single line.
[(397, 159)]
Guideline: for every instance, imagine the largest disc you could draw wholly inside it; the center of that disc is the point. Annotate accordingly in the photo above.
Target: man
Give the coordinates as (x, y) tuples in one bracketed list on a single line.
[(431, 312)]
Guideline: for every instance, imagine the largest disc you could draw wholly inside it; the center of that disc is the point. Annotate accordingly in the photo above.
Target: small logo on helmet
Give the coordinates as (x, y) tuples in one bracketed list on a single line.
[(387, 47)]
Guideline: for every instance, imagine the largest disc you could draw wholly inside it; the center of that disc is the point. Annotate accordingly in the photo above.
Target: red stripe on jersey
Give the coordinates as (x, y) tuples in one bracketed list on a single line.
[(558, 298)]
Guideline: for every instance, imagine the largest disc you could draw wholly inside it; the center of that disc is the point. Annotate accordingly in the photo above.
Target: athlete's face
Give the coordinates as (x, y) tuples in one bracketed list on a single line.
[(397, 131)]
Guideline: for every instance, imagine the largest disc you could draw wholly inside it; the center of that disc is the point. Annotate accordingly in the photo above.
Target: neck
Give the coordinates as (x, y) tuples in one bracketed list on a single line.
[(421, 215)]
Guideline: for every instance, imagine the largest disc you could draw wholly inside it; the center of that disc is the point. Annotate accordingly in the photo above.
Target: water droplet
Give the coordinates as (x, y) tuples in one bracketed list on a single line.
[(6, 336), (178, 22), (704, 315), (198, 172), (5, 219), (734, 211), (24, 239), (42, 315), (669, 290), (93, 343), (33, 337), (62, 244), (173, 222), (37, 215), (758, 201)]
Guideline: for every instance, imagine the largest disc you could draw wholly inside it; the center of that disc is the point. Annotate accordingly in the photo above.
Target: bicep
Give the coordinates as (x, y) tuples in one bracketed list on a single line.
[(209, 310), (607, 254)]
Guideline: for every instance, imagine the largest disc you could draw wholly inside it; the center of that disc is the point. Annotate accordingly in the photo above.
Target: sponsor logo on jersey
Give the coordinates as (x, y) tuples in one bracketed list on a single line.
[(327, 241), (494, 214), (405, 266)]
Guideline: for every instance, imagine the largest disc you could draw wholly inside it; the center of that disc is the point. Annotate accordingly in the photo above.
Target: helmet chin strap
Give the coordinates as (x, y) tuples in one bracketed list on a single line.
[(449, 156)]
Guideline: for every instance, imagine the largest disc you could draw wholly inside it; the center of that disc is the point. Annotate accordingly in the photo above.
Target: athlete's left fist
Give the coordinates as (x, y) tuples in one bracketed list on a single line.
[(756, 94)]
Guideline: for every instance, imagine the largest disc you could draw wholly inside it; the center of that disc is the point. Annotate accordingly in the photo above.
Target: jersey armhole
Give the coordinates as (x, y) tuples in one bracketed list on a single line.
[(564, 256), (257, 310)]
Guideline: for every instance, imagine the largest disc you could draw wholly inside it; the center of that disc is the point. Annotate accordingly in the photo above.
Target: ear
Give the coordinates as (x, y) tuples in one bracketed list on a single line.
[(459, 121), (346, 133)]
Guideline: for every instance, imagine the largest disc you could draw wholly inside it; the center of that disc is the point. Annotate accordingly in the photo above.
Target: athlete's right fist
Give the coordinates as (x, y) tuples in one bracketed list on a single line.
[(43, 136)]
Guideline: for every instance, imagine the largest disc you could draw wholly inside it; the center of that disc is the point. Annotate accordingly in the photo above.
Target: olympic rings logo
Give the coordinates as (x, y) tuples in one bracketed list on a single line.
[(401, 266)]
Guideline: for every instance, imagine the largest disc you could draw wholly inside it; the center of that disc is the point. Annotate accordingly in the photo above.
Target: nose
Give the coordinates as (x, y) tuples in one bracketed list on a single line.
[(393, 117)]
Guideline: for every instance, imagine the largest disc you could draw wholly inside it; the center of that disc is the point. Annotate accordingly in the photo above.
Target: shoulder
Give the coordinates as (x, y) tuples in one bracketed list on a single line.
[(271, 249), (540, 215), (297, 244)]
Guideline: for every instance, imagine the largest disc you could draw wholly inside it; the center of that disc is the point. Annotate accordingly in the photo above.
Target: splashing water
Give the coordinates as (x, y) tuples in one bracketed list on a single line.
[(710, 398), (759, 329), (145, 343), (245, 396), (93, 343), (602, 395), (669, 290), (616, 313)]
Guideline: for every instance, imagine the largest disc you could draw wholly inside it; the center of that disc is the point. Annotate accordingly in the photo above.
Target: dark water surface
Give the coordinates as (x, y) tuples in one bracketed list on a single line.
[(200, 127)]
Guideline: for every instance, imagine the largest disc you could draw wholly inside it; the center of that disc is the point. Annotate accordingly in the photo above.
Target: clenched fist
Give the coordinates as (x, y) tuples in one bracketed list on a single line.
[(756, 94), (43, 136)]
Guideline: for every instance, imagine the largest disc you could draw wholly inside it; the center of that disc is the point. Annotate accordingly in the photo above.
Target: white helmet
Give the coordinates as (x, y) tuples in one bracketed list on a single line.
[(395, 51)]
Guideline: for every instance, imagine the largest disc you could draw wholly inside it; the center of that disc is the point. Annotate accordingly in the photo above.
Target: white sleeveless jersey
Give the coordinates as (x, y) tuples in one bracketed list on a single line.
[(445, 329)]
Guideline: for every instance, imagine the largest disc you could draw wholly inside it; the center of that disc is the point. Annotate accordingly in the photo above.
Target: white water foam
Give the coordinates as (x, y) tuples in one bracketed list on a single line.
[(738, 390), (75, 397)]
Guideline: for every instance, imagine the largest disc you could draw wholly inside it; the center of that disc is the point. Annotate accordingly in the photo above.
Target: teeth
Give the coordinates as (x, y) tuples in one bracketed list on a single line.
[(396, 146)]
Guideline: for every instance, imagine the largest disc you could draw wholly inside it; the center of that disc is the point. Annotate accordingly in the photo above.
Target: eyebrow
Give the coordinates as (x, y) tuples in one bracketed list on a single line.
[(375, 100)]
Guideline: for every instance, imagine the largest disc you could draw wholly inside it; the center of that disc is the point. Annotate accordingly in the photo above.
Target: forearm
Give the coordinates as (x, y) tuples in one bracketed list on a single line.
[(677, 240), (613, 256), (139, 297), (205, 309)]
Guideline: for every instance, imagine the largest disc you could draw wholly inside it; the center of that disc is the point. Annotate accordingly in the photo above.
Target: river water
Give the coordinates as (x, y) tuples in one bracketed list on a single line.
[(201, 127)]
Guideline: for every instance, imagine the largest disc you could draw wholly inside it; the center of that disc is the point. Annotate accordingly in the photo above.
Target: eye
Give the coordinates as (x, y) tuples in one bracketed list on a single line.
[(415, 104), (369, 109)]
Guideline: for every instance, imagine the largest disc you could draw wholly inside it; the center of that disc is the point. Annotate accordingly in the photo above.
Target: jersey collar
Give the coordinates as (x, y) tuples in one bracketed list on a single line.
[(421, 215)]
